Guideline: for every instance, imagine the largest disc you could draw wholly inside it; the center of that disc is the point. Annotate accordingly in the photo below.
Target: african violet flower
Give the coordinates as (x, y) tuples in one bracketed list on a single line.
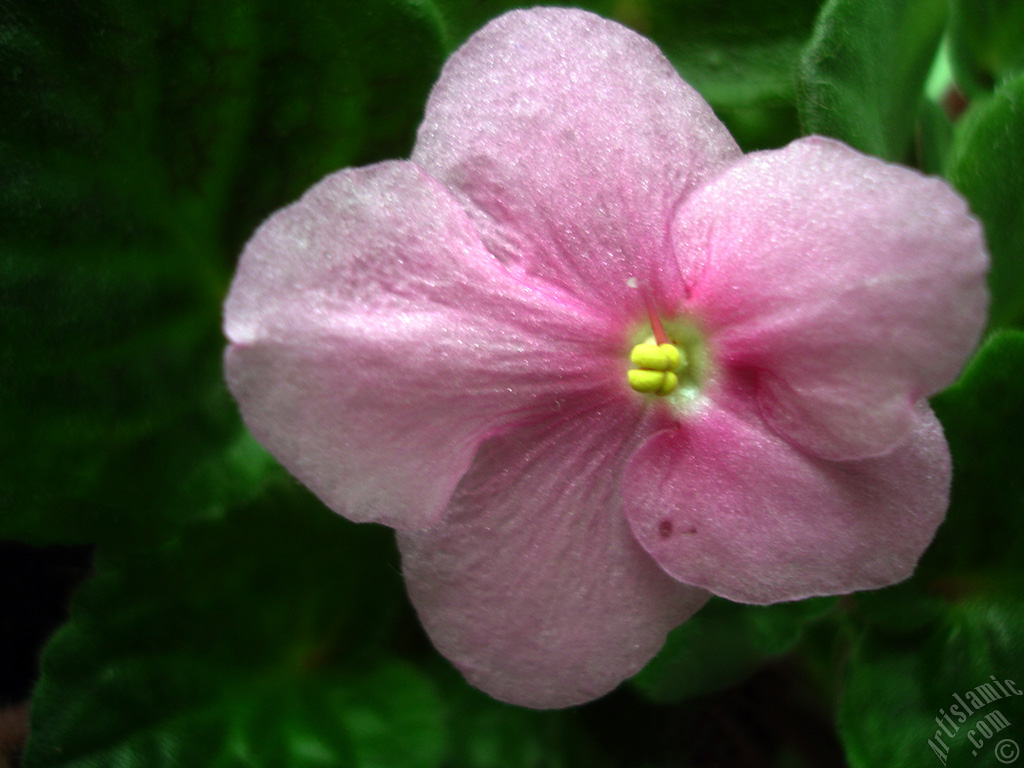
[(594, 364)]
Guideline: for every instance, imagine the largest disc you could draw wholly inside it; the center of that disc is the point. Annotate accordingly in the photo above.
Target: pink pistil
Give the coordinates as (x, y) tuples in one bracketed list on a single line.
[(659, 330)]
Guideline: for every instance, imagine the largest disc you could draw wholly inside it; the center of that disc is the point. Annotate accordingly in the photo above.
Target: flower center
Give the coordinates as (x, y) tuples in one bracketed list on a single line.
[(657, 367), (671, 363)]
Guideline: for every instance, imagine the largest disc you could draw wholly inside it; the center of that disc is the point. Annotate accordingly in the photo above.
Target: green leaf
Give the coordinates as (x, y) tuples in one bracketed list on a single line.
[(736, 54), (863, 73), (723, 644), (960, 619), (899, 690), (485, 733), (254, 640), (464, 17), (987, 165), (141, 145), (935, 138), (977, 547), (765, 125), (741, 56), (907, 607), (987, 42), (984, 530)]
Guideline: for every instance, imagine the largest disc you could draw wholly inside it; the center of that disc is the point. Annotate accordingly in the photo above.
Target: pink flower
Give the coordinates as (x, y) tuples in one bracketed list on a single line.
[(443, 345)]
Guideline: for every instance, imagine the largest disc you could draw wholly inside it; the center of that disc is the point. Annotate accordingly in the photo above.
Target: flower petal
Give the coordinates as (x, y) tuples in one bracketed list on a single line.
[(852, 287), (533, 585), (376, 343), (570, 139), (725, 504)]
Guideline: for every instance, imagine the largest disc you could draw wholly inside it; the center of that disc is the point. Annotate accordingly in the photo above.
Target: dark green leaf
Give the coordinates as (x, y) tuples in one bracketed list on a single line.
[(862, 75), (960, 619), (254, 640), (485, 733), (464, 17), (977, 547), (741, 56), (934, 139), (905, 608), (736, 54), (986, 42), (900, 690), (984, 531), (723, 644), (987, 165), (140, 145), (761, 126)]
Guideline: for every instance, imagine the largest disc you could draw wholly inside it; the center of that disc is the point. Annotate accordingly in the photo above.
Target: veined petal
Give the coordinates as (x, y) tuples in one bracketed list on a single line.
[(570, 139), (850, 286), (533, 586), (725, 504), (375, 343)]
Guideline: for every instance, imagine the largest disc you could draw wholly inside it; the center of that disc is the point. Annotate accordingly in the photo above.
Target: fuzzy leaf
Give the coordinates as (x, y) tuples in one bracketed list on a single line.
[(986, 42), (986, 164), (723, 644), (863, 73), (899, 690), (254, 640), (140, 146), (984, 529)]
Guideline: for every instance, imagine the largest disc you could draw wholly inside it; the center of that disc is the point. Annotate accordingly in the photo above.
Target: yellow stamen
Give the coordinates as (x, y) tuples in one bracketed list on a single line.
[(674, 355), (646, 381), (651, 357), (670, 384), (656, 368)]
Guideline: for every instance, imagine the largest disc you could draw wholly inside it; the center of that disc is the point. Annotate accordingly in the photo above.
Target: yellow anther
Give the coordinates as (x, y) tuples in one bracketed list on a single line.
[(649, 356), (674, 355), (656, 357), (669, 385), (647, 381), (656, 367)]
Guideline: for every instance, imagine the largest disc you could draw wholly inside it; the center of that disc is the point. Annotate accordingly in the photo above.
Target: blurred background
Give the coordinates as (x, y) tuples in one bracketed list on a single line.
[(170, 597)]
